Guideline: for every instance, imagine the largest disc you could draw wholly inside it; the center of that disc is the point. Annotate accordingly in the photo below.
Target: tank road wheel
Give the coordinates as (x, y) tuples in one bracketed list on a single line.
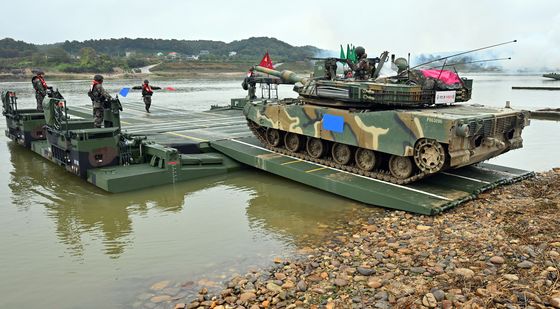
[(429, 155), (400, 167), (315, 147), (366, 159), (293, 142), (341, 153), (273, 137)]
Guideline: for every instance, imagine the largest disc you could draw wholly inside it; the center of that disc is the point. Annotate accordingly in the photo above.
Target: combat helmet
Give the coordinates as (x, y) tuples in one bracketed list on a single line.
[(98, 78), (146, 81), (360, 51)]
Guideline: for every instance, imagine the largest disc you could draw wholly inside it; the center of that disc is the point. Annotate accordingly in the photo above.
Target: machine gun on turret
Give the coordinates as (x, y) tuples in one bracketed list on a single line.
[(326, 67)]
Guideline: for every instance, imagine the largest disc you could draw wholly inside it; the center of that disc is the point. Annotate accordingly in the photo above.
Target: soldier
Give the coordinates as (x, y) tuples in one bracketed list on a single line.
[(362, 70), (98, 97), (40, 87), (147, 92), (250, 84)]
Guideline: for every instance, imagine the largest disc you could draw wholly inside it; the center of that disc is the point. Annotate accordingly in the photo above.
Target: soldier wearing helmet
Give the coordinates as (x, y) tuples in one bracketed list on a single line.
[(99, 96), (147, 92), (250, 84), (40, 86), (362, 69)]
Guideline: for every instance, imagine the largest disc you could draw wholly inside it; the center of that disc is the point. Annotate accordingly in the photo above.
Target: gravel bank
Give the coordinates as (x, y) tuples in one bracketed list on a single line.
[(501, 250)]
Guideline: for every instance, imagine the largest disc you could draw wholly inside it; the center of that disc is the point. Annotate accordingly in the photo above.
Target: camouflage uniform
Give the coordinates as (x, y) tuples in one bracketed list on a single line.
[(98, 96), (146, 94), (362, 70), (250, 84), (40, 92)]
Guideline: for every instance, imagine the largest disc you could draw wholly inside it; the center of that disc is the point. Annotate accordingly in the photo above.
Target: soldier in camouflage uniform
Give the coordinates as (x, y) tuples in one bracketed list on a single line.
[(40, 87), (99, 96), (250, 84), (362, 69)]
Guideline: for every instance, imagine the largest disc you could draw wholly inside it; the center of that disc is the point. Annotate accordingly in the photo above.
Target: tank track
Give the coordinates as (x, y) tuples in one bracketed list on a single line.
[(379, 174)]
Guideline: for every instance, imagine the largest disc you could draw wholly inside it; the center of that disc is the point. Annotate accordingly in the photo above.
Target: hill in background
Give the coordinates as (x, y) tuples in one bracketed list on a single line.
[(122, 55)]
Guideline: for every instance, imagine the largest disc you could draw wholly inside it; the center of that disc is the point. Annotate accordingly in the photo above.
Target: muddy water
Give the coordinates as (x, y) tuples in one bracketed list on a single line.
[(66, 244)]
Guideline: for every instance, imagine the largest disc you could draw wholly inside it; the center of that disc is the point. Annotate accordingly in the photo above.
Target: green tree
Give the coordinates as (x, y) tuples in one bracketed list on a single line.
[(87, 56), (38, 58), (57, 55)]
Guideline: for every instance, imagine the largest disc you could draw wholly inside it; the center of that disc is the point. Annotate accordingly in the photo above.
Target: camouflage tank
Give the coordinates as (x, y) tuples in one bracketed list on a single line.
[(401, 135)]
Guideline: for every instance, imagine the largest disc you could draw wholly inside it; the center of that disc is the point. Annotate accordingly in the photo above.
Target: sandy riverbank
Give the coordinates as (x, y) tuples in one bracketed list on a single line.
[(501, 250)]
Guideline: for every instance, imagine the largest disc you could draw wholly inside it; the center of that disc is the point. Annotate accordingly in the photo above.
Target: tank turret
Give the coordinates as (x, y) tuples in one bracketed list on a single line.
[(418, 88)]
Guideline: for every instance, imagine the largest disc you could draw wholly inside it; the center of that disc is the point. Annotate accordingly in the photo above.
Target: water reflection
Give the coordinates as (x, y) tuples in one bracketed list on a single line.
[(287, 211), (79, 208), (295, 211)]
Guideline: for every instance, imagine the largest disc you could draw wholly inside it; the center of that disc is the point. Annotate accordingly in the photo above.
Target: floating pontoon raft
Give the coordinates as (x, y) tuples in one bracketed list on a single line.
[(219, 141)]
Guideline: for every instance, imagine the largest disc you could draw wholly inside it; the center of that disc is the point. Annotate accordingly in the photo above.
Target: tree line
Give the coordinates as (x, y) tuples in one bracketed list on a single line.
[(107, 54)]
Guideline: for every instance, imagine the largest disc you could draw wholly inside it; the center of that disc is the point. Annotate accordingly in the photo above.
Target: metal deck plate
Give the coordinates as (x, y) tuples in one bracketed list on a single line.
[(227, 132), (428, 196)]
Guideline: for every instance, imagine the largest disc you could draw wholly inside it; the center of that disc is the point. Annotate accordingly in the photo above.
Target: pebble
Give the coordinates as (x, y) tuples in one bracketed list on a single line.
[(525, 264), (340, 282), (160, 285), (511, 277), (555, 302), (301, 286), (465, 272), (438, 294), (247, 296), (497, 260), (429, 300), (423, 227), (288, 285), (279, 276), (366, 271), (273, 287), (374, 283), (418, 270)]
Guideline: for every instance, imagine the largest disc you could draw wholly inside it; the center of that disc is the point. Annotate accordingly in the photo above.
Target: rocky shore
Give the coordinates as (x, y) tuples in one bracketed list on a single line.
[(501, 250)]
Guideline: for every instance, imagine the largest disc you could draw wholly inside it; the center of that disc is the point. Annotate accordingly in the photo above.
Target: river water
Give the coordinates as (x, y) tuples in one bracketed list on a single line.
[(66, 244)]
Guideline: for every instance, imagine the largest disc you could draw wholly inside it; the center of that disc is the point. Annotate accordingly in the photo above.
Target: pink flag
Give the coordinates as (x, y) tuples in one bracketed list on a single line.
[(446, 76)]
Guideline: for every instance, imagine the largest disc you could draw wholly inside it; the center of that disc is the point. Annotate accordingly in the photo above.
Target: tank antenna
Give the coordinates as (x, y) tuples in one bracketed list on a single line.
[(408, 67), (462, 53), (476, 61)]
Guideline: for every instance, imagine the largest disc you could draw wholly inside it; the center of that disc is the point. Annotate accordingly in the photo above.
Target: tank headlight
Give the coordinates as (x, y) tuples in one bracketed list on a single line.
[(462, 130)]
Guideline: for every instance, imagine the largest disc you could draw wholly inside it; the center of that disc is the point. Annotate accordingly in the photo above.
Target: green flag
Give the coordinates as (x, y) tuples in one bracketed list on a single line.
[(342, 53), (348, 52)]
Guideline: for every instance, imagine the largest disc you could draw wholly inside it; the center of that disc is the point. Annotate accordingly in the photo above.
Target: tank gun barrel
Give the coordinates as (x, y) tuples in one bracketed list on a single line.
[(286, 75)]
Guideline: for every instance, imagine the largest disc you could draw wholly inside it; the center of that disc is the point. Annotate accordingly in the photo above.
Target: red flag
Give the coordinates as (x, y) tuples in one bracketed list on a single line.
[(170, 88), (266, 62)]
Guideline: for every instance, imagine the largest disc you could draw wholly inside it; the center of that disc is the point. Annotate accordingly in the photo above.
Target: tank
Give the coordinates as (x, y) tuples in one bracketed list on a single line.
[(552, 75), (385, 128)]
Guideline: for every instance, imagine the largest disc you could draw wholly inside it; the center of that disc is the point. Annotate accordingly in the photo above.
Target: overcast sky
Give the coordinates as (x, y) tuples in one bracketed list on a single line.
[(419, 26)]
